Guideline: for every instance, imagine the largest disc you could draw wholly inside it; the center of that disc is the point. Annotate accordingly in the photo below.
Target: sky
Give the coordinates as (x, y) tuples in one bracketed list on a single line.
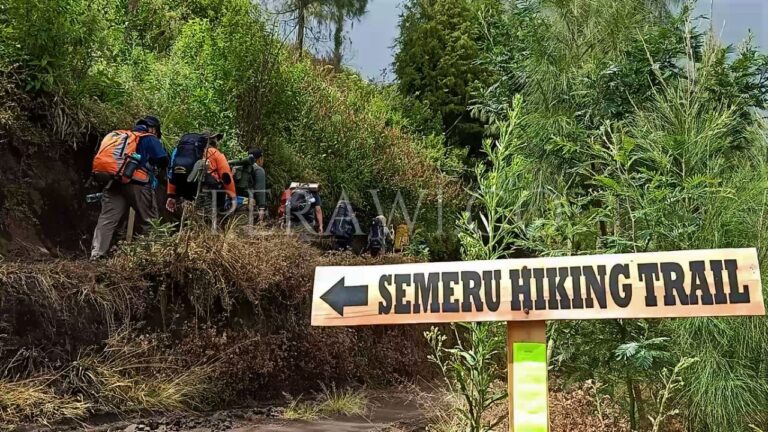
[(370, 51)]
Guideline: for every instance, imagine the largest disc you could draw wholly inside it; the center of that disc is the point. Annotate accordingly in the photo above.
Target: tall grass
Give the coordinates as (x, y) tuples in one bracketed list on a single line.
[(129, 375), (126, 375), (639, 134), (330, 401), (35, 400)]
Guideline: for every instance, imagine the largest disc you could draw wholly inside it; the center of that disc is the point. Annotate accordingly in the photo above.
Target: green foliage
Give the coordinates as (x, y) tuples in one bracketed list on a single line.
[(470, 368), (491, 234), (54, 43), (437, 62), (672, 383), (638, 134), (216, 65)]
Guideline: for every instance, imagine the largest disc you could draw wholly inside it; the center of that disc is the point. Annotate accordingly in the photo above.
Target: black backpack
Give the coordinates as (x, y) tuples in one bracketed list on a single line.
[(299, 206), (342, 225), (377, 237), (188, 151)]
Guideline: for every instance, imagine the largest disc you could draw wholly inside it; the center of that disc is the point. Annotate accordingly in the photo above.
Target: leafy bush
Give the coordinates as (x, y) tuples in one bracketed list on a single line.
[(637, 134)]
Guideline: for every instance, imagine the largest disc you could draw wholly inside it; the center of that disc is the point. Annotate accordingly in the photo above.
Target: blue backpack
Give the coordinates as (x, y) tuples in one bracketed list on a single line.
[(188, 151)]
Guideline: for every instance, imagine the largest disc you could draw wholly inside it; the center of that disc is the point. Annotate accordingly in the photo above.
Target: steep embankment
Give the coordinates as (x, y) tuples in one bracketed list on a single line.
[(42, 178), (209, 319)]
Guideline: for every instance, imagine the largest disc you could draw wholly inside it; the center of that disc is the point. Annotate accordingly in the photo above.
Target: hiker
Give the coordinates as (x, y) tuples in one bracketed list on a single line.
[(187, 174), (125, 166), (302, 207), (379, 237), (343, 225), (251, 180)]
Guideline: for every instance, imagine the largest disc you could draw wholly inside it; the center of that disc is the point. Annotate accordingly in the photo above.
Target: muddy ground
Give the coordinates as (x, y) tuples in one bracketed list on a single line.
[(387, 413), (401, 409)]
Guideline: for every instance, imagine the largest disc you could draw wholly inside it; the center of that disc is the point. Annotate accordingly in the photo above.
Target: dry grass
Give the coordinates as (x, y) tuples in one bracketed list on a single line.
[(235, 264), (60, 311), (438, 405), (342, 402), (35, 400), (329, 402), (213, 269), (63, 288), (129, 375), (223, 267), (298, 409)]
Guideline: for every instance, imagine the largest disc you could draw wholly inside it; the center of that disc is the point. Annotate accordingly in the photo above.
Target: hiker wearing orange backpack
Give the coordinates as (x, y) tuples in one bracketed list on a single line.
[(124, 165)]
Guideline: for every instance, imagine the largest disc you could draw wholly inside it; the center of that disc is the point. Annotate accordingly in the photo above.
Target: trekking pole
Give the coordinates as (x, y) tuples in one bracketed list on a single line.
[(205, 168), (183, 216), (184, 207), (131, 223), (200, 180)]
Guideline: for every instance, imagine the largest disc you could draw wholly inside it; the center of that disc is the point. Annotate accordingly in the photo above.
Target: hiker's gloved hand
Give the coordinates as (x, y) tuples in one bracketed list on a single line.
[(170, 205)]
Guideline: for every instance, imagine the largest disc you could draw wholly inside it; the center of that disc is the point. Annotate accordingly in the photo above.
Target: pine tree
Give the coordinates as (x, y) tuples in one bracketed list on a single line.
[(343, 10), (437, 62)]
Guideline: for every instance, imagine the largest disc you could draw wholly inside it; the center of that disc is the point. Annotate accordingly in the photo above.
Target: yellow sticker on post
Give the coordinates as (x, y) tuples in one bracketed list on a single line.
[(529, 386)]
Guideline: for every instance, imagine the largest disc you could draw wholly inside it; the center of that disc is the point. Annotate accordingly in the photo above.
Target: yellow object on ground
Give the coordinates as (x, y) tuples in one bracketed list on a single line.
[(402, 238)]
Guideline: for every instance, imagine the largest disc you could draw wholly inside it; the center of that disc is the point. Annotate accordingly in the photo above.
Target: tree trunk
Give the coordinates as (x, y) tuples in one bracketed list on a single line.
[(338, 40), (133, 6), (642, 413), (632, 403), (302, 18)]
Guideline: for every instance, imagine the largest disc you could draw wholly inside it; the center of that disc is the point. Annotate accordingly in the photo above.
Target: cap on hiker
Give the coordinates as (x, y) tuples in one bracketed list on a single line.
[(151, 122), (215, 135)]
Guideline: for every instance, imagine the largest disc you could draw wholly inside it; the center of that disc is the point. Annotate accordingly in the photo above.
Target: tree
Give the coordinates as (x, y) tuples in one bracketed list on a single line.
[(639, 134), (331, 13), (343, 10), (304, 11), (437, 61)]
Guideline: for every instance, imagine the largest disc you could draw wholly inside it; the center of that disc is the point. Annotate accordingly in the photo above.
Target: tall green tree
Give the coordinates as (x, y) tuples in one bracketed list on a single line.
[(437, 61), (639, 134), (325, 14), (342, 11), (304, 11)]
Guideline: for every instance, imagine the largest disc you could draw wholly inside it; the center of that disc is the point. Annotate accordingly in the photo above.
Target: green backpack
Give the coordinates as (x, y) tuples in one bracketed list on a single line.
[(243, 177)]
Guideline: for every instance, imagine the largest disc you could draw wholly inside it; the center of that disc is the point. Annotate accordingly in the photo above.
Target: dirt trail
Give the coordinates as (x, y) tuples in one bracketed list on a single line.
[(393, 414), (387, 413)]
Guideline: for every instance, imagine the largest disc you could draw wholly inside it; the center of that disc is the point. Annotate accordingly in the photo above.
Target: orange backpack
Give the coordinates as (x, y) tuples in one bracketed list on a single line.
[(115, 148)]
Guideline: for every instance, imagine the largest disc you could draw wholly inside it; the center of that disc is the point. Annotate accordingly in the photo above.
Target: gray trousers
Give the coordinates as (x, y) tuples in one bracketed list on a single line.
[(114, 205)]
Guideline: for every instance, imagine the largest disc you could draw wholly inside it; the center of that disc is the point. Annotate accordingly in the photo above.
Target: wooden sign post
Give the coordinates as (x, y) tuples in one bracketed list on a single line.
[(527, 292)]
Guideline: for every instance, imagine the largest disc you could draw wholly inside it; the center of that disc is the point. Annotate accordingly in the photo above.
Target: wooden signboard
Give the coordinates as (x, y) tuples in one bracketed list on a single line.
[(527, 292), (645, 285)]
